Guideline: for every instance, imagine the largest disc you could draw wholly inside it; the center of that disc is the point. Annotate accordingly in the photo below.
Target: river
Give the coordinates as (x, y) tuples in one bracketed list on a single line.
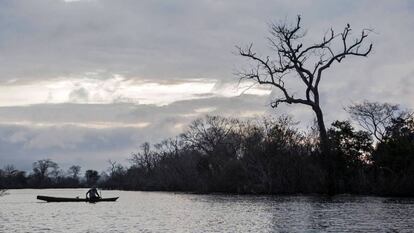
[(178, 212)]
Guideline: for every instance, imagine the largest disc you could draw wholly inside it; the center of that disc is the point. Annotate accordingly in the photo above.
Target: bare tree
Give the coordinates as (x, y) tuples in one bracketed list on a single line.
[(145, 159), (43, 168), (115, 168), (9, 170), (74, 171), (208, 134), (304, 64), (375, 117)]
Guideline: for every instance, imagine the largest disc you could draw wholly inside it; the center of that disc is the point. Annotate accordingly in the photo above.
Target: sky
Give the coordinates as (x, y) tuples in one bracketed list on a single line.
[(85, 81)]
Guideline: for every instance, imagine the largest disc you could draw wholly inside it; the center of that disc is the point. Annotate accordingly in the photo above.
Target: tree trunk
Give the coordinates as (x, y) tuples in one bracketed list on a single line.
[(327, 157), (323, 136)]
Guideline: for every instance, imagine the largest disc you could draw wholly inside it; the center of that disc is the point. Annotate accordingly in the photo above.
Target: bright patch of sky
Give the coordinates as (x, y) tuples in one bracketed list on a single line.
[(118, 89)]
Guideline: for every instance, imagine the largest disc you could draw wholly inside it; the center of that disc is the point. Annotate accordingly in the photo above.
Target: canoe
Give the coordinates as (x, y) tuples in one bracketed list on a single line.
[(68, 199)]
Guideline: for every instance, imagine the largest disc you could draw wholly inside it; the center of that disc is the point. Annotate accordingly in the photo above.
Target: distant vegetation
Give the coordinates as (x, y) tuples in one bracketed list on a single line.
[(268, 156)]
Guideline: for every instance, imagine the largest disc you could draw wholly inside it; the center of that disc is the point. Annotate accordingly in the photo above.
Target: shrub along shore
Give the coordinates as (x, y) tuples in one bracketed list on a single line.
[(267, 156)]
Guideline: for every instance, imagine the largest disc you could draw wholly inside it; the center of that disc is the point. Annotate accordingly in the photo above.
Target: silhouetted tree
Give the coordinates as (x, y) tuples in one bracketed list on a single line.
[(12, 178), (116, 174), (356, 146), (91, 177), (217, 140), (211, 135), (145, 158), (42, 169), (394, 157), (375, 117), (265, 151), (351, 154), (176, 165), (396, 152), (269, 156), (9, 170), (74, 171), (305, 63)]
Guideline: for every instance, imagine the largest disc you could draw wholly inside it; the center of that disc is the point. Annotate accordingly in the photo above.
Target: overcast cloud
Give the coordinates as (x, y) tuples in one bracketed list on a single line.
[(85, 81)]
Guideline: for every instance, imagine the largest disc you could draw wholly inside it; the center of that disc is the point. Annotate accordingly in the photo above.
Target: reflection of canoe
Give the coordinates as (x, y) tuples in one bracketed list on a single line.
[(66, 199)]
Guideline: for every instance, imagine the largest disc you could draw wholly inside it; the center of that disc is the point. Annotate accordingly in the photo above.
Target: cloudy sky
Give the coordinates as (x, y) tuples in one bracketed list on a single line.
[(85, 81)]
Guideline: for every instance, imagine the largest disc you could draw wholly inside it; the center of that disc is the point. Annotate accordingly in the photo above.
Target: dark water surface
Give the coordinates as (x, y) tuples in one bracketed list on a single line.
[(174, 212)]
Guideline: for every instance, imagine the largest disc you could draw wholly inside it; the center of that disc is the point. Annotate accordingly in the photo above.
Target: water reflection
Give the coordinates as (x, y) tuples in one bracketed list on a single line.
[(175, 212)]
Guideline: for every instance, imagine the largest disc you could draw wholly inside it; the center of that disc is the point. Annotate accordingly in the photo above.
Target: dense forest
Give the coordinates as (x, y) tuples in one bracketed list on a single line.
[(266, 156)]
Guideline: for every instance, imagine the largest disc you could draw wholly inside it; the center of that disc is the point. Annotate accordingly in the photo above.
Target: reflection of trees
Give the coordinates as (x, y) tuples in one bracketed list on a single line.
[(3, 192)]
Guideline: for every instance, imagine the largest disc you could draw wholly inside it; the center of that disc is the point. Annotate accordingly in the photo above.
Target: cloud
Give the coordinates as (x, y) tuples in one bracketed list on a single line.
[(65, 144), (84, 81), (94, 133), (118, 114), (118, 89)]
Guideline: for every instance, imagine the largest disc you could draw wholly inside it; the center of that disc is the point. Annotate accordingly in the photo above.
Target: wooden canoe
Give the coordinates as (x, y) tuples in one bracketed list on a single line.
[(68, 199)]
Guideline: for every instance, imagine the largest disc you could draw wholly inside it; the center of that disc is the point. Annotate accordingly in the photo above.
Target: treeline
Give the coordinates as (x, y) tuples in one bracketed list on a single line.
[(267, 156), (272, 157), (47, 174)]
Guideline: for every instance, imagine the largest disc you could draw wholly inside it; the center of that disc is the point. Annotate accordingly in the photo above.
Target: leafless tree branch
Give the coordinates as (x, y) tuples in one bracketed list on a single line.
[(307, 63)]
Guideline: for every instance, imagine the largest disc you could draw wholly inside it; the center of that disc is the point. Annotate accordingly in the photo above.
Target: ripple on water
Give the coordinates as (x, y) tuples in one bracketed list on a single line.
[(172, 212)]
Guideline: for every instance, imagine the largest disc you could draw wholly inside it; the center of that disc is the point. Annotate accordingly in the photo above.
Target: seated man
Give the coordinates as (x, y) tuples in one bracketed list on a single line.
[(92, 194)]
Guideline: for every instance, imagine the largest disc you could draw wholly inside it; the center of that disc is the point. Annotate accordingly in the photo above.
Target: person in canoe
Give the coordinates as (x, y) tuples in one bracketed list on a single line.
[(93, 194)]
